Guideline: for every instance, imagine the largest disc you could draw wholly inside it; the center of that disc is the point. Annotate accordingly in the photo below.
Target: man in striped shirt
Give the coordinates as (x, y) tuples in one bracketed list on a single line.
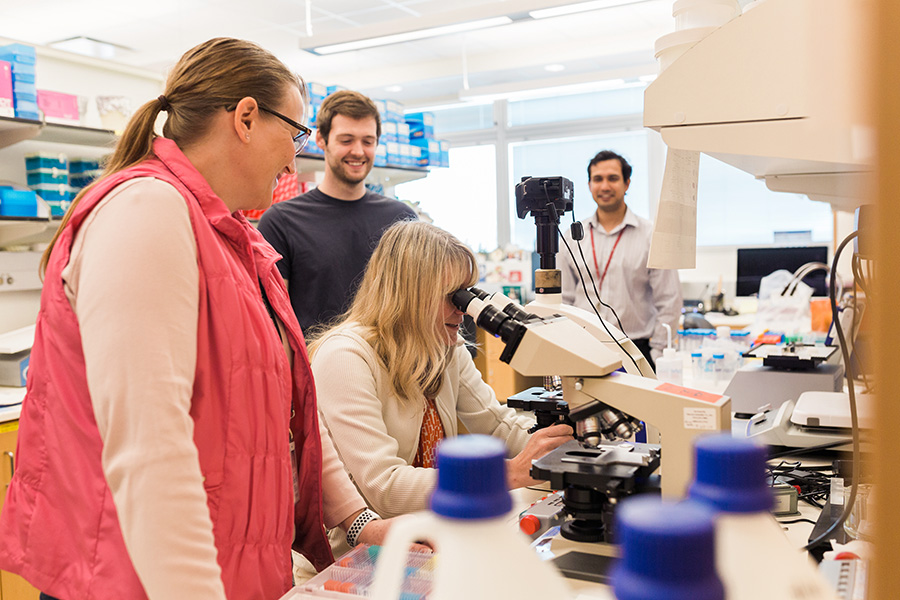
[(615, 247)]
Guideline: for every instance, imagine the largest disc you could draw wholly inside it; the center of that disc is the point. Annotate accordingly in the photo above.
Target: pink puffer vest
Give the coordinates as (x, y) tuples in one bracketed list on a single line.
[(59, 527)]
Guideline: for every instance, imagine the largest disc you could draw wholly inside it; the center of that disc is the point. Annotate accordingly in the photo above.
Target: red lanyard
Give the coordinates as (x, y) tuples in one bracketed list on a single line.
[(608, 260)]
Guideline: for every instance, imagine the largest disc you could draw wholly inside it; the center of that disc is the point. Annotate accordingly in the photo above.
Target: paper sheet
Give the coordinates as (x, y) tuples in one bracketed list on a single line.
[(674, 241)]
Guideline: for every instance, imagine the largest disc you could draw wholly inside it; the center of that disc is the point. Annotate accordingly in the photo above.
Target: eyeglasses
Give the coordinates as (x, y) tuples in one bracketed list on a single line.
[(301, 138)]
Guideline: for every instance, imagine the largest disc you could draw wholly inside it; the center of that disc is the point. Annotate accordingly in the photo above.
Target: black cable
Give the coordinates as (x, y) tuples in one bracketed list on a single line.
[(792, 521), (854, 417), (594, 286), (858, 276), (596, 312)]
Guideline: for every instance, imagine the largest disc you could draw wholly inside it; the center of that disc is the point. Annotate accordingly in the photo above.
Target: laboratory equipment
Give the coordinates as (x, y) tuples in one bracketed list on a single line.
[(759, 392), (596, 473), (547, 512), (775, 92), (814, 419), (469, 527)]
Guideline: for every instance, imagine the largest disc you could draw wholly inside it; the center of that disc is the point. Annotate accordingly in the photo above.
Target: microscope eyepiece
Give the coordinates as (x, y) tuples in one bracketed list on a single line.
[(461, 298)]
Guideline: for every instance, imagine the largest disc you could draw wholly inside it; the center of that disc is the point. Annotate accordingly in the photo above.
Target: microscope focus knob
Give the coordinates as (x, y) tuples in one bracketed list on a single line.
[(529, 524)]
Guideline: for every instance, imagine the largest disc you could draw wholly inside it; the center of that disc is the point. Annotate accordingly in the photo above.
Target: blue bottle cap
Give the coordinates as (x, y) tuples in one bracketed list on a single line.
[(471, 478), (668, 551), (730, 475)]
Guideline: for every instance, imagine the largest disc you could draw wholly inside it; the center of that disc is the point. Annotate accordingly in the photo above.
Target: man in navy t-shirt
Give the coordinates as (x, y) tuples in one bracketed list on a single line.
[(327, 235)]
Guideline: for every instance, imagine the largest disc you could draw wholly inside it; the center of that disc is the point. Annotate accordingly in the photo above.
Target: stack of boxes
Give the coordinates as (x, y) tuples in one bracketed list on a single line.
[(82, 172), (21, 59), (405, 140), (317, 93), (394, 136), (431, 152), (48, 176)]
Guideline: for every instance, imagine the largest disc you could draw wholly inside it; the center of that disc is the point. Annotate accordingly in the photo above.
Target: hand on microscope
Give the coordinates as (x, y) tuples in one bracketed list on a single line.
[(541, 442)]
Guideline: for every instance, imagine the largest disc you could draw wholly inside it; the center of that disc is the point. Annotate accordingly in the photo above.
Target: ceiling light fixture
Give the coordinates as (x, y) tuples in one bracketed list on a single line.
[(411, 35), (529, 90), (90, 47), (571, 9)]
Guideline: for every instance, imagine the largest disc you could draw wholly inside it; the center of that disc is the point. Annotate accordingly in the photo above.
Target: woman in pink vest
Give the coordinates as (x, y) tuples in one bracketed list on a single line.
[(169, 445)]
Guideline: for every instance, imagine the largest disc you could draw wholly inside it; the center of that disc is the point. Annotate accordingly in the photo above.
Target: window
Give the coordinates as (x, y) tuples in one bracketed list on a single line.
[(733, 208), (463, 198), (569, 158), (464, 118), (589, 105)]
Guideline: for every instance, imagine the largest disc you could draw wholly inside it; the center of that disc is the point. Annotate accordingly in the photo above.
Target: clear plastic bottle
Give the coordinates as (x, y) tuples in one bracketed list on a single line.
[(670, 366), (480, 555)]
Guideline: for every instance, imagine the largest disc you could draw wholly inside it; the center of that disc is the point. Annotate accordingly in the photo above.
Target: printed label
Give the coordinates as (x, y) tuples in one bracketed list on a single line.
[(700, 418)]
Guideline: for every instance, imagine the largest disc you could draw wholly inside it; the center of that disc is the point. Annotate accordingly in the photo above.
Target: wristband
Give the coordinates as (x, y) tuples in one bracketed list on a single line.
[(356, 528)]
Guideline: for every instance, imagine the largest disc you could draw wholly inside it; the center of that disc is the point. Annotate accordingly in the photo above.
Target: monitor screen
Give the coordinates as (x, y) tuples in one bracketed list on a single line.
[(755, 263)]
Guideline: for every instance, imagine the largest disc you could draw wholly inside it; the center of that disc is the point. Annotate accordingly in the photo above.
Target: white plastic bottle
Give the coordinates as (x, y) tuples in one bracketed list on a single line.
[(480, 555), (667, 551), (670, 366), (754, 558)]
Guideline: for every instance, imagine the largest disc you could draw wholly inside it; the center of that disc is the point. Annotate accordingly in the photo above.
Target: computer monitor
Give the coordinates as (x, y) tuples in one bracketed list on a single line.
[(755, 263)]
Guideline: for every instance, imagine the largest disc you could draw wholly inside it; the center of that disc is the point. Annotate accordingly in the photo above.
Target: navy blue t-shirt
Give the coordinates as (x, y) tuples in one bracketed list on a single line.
[(325, 244)]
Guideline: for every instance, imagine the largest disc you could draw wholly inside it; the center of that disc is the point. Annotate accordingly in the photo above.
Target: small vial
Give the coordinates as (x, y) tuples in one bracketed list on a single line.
[(719, 367), (697, 365)]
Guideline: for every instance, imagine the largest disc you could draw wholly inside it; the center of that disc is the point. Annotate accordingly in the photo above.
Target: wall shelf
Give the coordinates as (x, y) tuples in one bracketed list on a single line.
[(30, 230), (13, 131), (386, 176)]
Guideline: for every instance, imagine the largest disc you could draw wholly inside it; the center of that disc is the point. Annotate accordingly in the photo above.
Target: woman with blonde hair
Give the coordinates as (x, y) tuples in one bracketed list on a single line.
[(169, 445), (394, 376)]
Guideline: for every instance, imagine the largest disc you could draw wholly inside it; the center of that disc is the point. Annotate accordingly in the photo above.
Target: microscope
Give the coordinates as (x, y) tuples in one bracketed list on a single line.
[(581, 359)]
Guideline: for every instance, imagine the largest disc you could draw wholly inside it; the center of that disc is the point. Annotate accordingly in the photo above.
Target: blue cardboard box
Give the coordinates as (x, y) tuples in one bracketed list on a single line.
[(49, 176), (388, 132), (316, 91), (17, 203), (18, 53), (421, 125), (45, 160), (393, 110)]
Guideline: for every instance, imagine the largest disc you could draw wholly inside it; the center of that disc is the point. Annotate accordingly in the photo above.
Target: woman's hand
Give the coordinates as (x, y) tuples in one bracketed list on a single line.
[(541, 442), (375, 532)]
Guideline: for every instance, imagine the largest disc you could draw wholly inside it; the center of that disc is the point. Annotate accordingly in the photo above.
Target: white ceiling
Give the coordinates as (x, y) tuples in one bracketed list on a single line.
[(592, 45)]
